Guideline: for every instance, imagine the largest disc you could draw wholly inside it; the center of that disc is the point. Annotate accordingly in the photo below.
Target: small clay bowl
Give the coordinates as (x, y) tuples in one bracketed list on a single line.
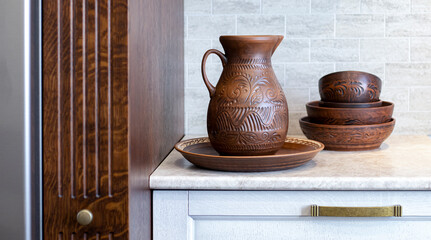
[(350, 87), (347, 137), (349, 116), (350, 105)]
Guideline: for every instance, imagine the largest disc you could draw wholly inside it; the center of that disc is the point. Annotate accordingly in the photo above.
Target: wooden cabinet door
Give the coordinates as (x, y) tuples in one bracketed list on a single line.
[(85, 118)]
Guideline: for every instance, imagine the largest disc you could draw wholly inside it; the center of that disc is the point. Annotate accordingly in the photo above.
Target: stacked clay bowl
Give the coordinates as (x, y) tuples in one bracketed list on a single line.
[(350, 115)]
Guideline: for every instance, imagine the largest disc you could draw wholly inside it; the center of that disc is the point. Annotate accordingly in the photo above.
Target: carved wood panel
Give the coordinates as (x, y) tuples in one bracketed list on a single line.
[(85, 118)]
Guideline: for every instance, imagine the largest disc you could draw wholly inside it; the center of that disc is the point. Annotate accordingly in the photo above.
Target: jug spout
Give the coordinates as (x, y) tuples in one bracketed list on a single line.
[(280, 38)]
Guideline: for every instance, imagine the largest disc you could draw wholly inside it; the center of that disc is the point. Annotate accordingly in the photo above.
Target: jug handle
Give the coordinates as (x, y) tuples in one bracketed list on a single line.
[(223, 59)]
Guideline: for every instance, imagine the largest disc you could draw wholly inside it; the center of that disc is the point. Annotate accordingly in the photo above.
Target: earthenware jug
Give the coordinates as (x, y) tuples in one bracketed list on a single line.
[(247, 113)]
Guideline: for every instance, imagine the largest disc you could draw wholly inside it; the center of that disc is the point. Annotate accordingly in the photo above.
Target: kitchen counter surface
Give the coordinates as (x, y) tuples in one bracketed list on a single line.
[(401, 163)]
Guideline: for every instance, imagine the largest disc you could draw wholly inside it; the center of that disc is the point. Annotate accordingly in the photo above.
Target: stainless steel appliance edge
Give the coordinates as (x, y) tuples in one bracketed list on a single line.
[(20, 121)]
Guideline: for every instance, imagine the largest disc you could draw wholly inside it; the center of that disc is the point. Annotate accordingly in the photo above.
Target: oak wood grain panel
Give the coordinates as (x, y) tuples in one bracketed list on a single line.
[(112, 110), (85, 111), (156, 116)]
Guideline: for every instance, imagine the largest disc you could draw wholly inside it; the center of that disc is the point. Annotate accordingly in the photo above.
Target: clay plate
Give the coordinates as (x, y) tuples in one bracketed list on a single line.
[(347, 137), (349, 116), (350, 105), (294, 153)]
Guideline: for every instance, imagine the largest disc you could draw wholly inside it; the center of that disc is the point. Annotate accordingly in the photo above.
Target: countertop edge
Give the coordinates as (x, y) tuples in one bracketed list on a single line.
[(318, 184)]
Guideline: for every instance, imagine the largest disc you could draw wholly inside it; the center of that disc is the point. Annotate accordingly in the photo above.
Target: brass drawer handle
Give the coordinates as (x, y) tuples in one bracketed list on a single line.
[(323, 211), (84, 217)]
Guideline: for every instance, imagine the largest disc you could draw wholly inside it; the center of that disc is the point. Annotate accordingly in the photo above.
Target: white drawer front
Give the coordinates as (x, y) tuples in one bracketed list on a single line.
[(266, 228), (237, 215), (297, 203)]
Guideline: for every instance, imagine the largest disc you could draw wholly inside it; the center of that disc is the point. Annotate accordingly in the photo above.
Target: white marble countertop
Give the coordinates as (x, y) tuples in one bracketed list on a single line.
[(401, 163)]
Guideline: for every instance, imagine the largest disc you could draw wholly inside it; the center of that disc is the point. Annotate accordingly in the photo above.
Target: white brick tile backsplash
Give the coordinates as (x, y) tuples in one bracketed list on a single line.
[(348, 6), (420, 99), (196, 100), (408, 74), (196, 123), (385, 6), (236, 6), (408, 25), (420, 49), (388, 38), (412, 123), (336, 6), (385, 50), (314, 94), (261, 24), (285, 6), (294, 128), (194, 74), (279, 73), (421, 6), (398, 96), (195, 49), (210, 27), (310, 26), (323, 6), (296, 98), (197, 7), (360, 25), (334, 50), (292, 50), (306, 74)]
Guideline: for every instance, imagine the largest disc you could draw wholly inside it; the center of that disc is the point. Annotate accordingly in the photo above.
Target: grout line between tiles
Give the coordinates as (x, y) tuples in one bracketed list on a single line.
[(384, 25), (359, 50), (309, 50), (410, 49), (384, 74), (309, 94), (309, 2), (261, 11), (411, 6), (236, 24), (408, 99), (335, 25), (187, 25)]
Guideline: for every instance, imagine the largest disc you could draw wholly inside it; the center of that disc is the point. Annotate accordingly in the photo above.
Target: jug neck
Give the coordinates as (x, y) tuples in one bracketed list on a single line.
[(250, 47)]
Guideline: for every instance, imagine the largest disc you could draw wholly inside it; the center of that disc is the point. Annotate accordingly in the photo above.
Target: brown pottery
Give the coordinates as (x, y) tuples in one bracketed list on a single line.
[(350, 105), (350, 87), (247, 113), (349, 116), (293, 153), (347, 137)]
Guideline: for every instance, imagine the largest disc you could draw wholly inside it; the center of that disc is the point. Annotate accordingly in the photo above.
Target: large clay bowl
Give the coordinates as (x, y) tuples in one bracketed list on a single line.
[(349, 116), (350, 87), (350, 105), (347, 137)]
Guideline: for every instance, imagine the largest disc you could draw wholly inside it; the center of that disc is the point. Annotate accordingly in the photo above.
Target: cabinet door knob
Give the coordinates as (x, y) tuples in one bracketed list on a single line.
[(84, 217)]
